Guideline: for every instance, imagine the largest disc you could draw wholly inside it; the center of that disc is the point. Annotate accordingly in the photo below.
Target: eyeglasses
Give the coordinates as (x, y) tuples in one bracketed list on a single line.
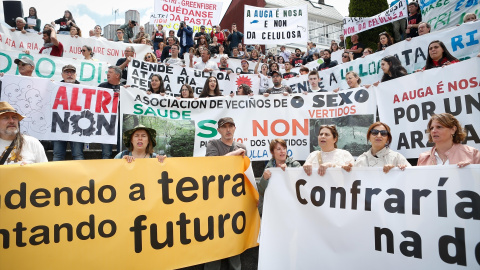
[(375, 132), (184, 90), (69, 71), (84, 50), (23, 64), (127, 51), (118, 33), (383, 33), (345, 56)]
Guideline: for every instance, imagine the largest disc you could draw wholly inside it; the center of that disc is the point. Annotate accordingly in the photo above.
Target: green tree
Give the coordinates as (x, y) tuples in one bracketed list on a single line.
[(368, 8)]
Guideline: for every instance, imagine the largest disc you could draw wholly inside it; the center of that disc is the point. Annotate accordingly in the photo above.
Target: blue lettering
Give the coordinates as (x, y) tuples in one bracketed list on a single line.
[(457, 42), (472, 41)]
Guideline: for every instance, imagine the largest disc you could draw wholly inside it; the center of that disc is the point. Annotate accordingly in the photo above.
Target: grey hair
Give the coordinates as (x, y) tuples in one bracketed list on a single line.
[(131, 47), (117, 70), (20, 19)]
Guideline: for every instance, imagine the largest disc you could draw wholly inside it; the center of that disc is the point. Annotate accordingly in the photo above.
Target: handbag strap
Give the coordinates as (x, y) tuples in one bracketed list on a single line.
[(7, 152)]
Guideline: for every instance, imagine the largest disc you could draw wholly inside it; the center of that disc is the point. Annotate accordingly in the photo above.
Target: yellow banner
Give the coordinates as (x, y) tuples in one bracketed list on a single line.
[(108, 214)]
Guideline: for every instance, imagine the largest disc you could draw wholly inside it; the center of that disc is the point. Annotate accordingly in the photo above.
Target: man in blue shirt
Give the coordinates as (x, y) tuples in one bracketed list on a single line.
[(185, 34)]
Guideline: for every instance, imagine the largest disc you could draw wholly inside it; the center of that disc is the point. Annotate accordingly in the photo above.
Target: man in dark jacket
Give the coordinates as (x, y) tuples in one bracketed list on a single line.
[(185, 33)]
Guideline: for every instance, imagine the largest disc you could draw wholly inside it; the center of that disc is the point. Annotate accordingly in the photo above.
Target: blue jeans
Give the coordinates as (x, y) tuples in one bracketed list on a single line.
[(107, 150), (60, 150), (184, 49)]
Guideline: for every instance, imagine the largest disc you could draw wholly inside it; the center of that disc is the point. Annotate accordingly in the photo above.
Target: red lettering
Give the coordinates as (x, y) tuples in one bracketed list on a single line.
[(263, 130), (88, 97), (61, 98), (73, 103)]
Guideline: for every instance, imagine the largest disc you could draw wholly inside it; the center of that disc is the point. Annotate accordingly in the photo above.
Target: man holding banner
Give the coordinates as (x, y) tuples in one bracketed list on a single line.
[(225, 146)]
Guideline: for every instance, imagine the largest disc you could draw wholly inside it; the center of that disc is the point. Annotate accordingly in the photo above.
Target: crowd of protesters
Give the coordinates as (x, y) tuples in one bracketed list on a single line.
[(226, 44)]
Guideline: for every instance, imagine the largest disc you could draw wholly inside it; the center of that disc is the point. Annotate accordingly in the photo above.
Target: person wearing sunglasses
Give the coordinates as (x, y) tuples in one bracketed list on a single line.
[(329, 155), (87, 53), (380, 155), (150, 57)]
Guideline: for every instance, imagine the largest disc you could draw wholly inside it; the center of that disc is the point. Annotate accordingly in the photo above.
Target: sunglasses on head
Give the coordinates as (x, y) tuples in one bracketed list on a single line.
[(375, 132)]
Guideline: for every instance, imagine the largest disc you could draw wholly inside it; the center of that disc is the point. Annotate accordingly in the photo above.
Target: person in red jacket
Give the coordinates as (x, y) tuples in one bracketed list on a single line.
[(217, 31)]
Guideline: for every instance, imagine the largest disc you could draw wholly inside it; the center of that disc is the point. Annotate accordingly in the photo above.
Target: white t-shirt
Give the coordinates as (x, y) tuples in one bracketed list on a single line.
[(339, 157), (32, 151), (210, 64)]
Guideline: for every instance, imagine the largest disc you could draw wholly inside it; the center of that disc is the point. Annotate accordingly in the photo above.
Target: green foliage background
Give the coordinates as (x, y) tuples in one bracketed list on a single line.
[(175, 138), (368, 8)]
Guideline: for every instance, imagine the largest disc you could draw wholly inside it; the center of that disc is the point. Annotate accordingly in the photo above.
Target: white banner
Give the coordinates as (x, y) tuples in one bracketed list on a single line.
[(275, 25), (50, 67), (173, 76), (444, 14), (355, 25), (462, 42), (105, 51), (63, 111), (420, 218), (406, 104), (191, 123), (193, 12)]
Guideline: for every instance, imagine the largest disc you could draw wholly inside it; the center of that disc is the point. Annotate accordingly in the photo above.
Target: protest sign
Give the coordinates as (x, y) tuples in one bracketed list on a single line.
[(355, 25), (50, 67), (111, 214), (173, 76), (444, 14), (462, 42), (186, 125), (407, 103), (63, 111), (420, 218), (104, 50), (194, 13), (275, 25)]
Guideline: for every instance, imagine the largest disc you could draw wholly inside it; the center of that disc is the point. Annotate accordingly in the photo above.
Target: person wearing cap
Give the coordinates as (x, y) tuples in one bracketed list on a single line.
[(206, 64), (128, 30), (185, 33), (51, 46), (277, 88), (225, 146), (69, 75), (25, 66), (140, 142), (245, 66), (20, 25), (202, 33), (16, 147)]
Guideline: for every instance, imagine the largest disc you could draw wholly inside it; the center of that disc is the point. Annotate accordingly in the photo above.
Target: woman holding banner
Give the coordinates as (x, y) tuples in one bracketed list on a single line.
[(156, 85), (353, 80), (329, 155), (186, 91), (392, 68), (211, 88), (380, 155), (280, 159), (385, 41), (140, 142), (438, 56), (445, 131)]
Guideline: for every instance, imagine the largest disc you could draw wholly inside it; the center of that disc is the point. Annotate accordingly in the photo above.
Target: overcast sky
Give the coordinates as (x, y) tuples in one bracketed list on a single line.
[(88, 13)]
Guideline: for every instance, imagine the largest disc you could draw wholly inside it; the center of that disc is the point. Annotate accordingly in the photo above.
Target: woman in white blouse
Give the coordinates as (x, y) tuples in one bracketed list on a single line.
[(380, 155), (329, 156)]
